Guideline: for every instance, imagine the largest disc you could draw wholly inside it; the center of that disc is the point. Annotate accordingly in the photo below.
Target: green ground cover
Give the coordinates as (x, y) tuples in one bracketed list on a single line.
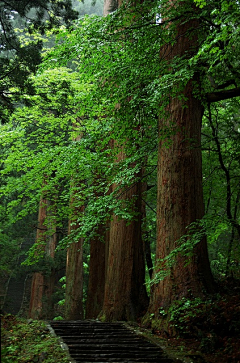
[(26, 341)]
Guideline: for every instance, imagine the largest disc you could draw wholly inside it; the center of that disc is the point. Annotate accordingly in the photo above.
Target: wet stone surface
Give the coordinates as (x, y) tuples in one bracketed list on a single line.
[(92, 341)]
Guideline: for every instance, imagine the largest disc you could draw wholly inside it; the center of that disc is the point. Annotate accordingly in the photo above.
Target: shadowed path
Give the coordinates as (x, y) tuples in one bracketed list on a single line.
[(92, 341)]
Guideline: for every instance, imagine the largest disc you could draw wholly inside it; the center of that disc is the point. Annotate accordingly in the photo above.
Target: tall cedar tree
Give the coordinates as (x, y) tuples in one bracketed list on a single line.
[(125, 293), (99, 246), (74, 275), (180, 192), (41, 303), (97, 273), (74, 265), (98, 249), (125, 296)]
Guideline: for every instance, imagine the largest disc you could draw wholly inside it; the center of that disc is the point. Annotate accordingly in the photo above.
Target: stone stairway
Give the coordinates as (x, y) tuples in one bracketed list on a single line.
[(92, 341)]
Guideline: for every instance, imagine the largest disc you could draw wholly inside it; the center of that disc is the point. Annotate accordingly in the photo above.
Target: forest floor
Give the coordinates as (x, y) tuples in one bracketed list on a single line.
[(27, 340), (206, 332)]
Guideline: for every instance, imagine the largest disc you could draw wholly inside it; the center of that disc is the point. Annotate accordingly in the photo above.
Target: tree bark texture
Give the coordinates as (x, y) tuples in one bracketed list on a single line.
[(96, 284), (74, 263), (41, 304), (98, 269), (99, 245), (74, 281), (37, 287), (125, 294), (74, 268), (180, 192)]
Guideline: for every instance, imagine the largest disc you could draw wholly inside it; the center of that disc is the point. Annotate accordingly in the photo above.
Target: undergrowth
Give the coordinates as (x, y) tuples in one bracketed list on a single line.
[(210, 327), (26, 341)]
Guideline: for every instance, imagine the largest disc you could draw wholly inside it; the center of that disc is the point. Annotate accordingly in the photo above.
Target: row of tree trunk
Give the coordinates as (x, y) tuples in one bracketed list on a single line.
[(116, 289)]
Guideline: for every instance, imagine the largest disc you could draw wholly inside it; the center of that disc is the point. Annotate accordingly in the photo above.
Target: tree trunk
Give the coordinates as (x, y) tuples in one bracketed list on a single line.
[(98, 248), (74, 280), (74, 263), (35, 308), (41, 304), (96, 282), (97, 270), (125, 294), (180, 192)]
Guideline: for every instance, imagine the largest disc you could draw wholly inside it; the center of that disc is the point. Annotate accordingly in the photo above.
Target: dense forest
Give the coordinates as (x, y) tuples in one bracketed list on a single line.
[(120, 175)]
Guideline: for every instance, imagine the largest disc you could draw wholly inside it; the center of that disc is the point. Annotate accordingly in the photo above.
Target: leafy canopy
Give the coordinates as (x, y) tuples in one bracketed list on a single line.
[(20, 55), (123, 81)]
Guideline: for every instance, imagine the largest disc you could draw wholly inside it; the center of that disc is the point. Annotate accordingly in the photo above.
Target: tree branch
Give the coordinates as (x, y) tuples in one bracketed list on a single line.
[(223, 95)]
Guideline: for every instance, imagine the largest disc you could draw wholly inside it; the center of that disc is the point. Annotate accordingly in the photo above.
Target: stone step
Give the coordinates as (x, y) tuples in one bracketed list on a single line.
[(90, 341), (115, 360), (79, 358), (95, 333), (111, 347), (102, 340)]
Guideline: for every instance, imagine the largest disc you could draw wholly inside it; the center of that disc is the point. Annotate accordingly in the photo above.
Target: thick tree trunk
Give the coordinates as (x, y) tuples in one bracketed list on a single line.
[(97, 270), (179, 203), (125, 294), (74, 264), (74, 267), (37, 288), (41, 304), (98, 248), (96, 283), (180, 193), (74, 280)]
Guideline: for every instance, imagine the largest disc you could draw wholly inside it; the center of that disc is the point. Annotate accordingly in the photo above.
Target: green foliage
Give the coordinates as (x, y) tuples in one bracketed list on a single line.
[(221, 184), (28, 341), (58, 318), (213, 323), (183, 310), (63, 286), (123, 49), (184, 247), (19, 57), (119, 90), (32, 142), (9, 253), (200, 3), (218, 265)]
